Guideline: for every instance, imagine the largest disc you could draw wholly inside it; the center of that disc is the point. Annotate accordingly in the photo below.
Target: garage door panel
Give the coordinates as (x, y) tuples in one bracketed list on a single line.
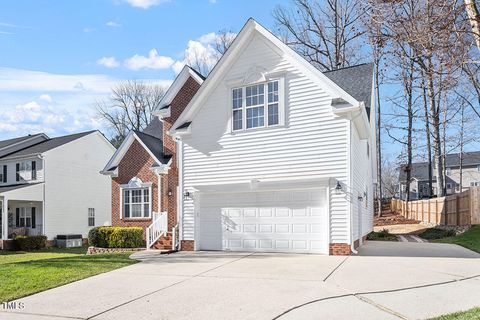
[(286, 221)]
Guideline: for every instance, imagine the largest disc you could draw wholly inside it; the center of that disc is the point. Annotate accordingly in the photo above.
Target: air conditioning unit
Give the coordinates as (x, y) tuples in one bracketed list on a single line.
[(69, 240)]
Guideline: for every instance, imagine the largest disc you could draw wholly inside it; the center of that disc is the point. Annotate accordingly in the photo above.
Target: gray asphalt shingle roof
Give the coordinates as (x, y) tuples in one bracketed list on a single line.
[(5, 143), (47, 145), (356, 81), (419, 171), (469, 159), (155, 145)]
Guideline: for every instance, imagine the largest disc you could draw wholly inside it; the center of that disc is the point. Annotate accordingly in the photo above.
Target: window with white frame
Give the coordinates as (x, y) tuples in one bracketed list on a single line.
[(26, 170), (256, 106), (25, 217), (475, 184), (3, 173), (91, 217), (448, 171), (136, 203)]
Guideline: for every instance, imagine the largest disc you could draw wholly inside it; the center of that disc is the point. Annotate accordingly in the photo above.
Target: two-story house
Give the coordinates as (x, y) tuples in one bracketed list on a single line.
[(52, 186), (458, 177), (275, 155)]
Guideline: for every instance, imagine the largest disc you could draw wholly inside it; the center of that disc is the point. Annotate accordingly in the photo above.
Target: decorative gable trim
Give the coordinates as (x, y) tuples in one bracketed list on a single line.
[(111, 168), (250, 30), (187, 72)]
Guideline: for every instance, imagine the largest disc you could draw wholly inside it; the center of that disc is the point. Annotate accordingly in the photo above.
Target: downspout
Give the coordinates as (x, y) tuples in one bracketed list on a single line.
[(179, 144), (43, 202), (352, 241)]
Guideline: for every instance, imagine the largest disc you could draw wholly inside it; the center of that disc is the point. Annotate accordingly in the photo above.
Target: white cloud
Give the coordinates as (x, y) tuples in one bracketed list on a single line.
[(153, 61), (45, 97), (113, 24), (201, 53), (88, 29), (145, 4), (25, 106), (109, 62), (212, 1)]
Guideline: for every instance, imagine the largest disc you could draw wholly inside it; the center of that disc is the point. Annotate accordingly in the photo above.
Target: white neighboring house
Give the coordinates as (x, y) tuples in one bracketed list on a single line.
[(275, 155), (52, 186)]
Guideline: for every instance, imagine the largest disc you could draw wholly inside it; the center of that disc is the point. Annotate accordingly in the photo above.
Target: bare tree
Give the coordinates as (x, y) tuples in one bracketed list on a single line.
[(203, 58), (435, 31), (129, 107), (389, 177), (474, 17), (377, 42), (327, 33)]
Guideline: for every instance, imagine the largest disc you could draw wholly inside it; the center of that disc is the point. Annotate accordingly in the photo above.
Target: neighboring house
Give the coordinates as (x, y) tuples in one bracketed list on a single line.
[(144, 169), (275, 155), (470, 174), (51, 186)]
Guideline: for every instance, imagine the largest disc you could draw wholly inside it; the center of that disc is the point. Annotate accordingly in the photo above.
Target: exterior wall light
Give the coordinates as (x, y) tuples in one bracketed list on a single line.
[(338, 187)]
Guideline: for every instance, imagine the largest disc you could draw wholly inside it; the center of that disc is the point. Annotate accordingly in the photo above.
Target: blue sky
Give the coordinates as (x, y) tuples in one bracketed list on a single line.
[(58, 57)]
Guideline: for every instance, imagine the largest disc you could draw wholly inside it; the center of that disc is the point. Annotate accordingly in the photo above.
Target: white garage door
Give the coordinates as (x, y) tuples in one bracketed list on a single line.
[(273, 221)]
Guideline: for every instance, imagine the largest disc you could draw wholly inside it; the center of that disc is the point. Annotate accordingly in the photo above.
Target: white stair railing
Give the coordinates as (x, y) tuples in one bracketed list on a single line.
[(157, 229)]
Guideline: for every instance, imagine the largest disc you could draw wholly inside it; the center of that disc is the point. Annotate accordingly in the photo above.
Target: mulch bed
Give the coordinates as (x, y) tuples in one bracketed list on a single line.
[(390, 218)]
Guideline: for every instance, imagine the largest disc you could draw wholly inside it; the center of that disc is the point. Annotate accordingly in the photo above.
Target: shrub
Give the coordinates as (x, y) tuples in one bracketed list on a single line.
[(116, 237), (26, 243), (383, 235), (436, 233)]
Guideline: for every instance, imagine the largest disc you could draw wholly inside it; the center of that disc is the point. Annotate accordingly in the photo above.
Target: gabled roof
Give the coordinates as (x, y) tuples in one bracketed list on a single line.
[(9, 142), (175, 87), (153, 145), (419, 171), (469, 159), (356, 80), (46, 145), (241, 41), (154, 128)]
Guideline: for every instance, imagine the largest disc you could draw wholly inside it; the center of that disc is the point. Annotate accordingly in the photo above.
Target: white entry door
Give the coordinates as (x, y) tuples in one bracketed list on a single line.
[(268, 221)]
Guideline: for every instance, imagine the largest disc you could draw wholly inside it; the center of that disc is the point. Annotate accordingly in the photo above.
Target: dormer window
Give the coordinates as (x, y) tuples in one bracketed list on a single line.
[(256, 106)]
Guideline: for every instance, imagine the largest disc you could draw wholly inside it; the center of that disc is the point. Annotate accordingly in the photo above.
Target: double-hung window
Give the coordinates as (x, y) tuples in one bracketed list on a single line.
[(3, 174), (256, 106), (91, 217), (25, 217), (26, 170), (136, 203)]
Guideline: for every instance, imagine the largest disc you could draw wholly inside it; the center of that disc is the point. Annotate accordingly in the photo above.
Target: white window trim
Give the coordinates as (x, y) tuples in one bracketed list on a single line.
[(281, 105), (91, 210), (27, 213), (136, 183)]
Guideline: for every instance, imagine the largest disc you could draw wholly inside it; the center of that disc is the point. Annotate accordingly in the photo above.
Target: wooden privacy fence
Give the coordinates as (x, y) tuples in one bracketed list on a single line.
[(455, 210)]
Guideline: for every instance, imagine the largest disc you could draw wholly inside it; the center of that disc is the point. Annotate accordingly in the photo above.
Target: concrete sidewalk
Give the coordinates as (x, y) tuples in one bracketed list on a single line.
[(385, 281)]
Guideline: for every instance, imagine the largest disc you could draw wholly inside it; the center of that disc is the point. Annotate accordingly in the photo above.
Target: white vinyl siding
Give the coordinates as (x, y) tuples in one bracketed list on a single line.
[(312, 142), (362, 186)]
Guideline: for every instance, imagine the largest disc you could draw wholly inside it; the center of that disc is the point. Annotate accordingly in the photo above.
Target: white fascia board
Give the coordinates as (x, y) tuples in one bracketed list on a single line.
[(358, 115), (122, 150), (242, 39), (118, 155), (175, 88)]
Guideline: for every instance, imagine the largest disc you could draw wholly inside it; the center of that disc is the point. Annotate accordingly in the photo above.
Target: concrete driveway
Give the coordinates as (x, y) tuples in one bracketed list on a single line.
[(385, 281)]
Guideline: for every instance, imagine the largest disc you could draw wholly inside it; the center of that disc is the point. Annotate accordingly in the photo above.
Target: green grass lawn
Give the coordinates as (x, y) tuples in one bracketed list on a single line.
[(469, 239), (25, 273), (472, 314)]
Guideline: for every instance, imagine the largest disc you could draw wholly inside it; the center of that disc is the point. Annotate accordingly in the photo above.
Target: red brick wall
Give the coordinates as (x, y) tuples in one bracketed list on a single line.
[(135, 163), (339, 249), (178, 104), (187, 245)]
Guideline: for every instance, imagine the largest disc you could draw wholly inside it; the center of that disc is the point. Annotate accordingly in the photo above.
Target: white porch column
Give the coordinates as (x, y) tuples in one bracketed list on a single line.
[(4, 204)]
